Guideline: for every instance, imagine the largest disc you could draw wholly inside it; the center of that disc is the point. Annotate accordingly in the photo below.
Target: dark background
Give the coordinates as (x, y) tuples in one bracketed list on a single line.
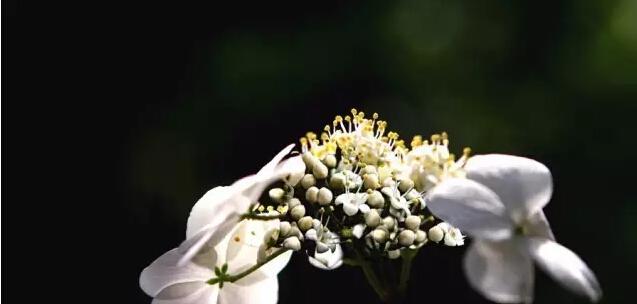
[(119, 115)]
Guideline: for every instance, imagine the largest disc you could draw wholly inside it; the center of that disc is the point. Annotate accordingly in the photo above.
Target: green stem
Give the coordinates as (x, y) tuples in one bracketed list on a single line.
[(236, 277), (405, 270), (371, 276)]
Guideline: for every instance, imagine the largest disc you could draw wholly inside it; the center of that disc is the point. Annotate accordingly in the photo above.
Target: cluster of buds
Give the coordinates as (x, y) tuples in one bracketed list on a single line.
[(362, 187)]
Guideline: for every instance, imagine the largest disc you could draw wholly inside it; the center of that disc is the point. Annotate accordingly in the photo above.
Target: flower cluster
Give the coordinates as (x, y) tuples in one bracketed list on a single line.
[(357, 194)]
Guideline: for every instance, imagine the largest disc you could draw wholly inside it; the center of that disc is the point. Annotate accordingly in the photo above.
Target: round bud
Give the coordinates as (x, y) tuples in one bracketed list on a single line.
[(421, 236), (376, 200), (297, 212), (379, 235), (389, 182), (324, 196), (369, 169), (320, 170), (406, 237), (412, 222), (394, 254), (309, 160), (292, 243), (436, 234), (330, 161), (405, 185), (370, 181), (276, 195), (305, 223), (293, 202), (389, 223), (372, 218), (308, 181), (337, 181), (311, 195), (285, 228)]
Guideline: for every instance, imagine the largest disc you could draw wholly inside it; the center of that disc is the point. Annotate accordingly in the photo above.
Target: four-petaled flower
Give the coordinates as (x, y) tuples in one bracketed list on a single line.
[(500, 205)]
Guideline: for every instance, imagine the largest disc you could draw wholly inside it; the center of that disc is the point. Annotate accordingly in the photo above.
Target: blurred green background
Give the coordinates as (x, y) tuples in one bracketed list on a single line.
[(216, 90)]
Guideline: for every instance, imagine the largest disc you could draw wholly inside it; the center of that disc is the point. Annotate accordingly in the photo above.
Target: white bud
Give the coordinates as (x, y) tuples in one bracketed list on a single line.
[(394, 254), (320, 170), (436, 234), (375, 200), (379, 235), (357, 230), (337, 181), (309, 160), (372, 218), (389, 182), (412, 222), (276, 194), (297, 212), (285, 228), (292, 243), (389, 223), (406, 237), (330, 160), (405, 185), (308, 181), (370, 181), (311, 195), (421, 236), (369, 169), (324, 196), (305, 223)]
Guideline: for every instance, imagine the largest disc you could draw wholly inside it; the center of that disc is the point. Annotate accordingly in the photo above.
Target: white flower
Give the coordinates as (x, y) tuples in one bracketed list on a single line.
[(453, 236), (500, 204), (169, 283), (214, 215), (328, 254), (328, 260), (352, 203)]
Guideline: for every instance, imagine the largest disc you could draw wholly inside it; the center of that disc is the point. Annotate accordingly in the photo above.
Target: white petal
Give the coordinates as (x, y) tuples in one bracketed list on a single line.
[(500, 271), (471, 207), (537, 225), (350, 208), (269, 173), (188, 293), (205, 209), (524, 185), (358, 230), (364, 208), (164, 272), (294, 169), (206, 239), (565, 267), (265, 291), (328, 260)]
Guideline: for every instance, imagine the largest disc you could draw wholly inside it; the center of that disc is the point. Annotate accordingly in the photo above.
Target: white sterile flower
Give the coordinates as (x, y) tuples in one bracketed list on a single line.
[(169, 283), (500, 205), (214, 215), (328, 254), (352, 203)]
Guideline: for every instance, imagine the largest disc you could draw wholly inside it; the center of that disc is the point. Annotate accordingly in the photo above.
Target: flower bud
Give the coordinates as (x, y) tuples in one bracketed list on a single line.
[(369, 169), (406, 237), (320, 170), (330, 161), (421, 236), (436, 234), (389, 223), (375, 200), (285, 228), (393, 254), (324, 196), (412, 222), (297, 212), (293, 202), (292, 243), (311, 195), (308, 181), (379, 235), (305, 223), (309, 160), (276, 195), (372, 218), (389, 182), (370, 181), (405, 185), (337, 181)]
